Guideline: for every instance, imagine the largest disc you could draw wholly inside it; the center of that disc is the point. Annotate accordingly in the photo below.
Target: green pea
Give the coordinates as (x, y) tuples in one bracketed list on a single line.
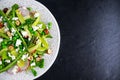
[(21, 47), (49, 25), (14, 38), (16, 35), (29, 8), (5, 42), (30, 29), (1, 66), (34, 33), (3, 20), (10, 42), (43, 33), (4, 46), (20, 51)]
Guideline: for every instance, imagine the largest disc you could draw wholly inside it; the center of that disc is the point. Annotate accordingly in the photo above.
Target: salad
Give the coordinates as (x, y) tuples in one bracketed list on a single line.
[(23, 39)]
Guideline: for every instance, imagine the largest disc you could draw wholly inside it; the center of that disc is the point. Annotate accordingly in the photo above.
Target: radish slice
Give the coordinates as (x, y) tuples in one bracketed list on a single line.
[(25, 67), (18, 69), (24, 11), (13, 70)]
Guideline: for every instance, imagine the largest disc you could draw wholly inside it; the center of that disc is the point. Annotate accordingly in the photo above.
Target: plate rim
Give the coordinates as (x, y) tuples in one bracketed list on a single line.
[(59, 38)]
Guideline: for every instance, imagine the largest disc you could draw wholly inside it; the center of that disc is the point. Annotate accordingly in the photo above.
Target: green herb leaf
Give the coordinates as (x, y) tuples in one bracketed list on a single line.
[(15, 6), (40, 63), (29, 21), (49, 25), (34, 72), (29, 8), (48, 36)]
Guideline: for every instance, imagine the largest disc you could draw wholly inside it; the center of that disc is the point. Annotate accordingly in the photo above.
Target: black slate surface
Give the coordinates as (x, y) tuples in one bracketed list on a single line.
[(90, 40)]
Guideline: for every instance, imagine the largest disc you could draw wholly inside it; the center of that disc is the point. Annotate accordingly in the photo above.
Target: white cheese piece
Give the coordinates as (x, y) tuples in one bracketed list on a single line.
[(1, 39), (24, 33), (35, 28), (12, 34), (38, 41), (24, 7), (29, 38), (6, 29), (33, 64), (40, 26), (1, 18), (13, 57), (8, 61), (0, 62), (5, 24), (9, 54), (17, 49), (24, 57), (15, 18), (36, 14), (15, 69), (13, 30), (18, 42), (23, 48), (11, 38)]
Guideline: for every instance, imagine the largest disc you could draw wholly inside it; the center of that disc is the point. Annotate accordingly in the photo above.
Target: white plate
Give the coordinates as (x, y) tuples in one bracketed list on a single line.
[(46, 16)]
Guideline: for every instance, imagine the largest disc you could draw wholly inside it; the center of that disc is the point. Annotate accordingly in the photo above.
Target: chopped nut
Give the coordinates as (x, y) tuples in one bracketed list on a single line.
[(49, 51), (17, 22), (26, 36), (19, 69), (11, 47), (46, 31), (38, 59), (9, 34), (30, 58), (1, 24), (32, 13), (33, 51), (39, 56), (5, 10)]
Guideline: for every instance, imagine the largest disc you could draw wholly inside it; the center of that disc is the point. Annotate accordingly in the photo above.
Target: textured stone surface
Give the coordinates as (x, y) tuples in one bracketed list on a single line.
[(90, 40)]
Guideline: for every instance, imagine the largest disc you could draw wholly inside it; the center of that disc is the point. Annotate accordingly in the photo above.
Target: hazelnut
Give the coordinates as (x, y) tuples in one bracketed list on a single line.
[(5, 10), (32, 13), (39, 56), (9, 34), (1, 24), (11, 47), (49, 51), (26, 36), (46, 31), (30, 58), (33, 51), (17, 22), (38, 59)]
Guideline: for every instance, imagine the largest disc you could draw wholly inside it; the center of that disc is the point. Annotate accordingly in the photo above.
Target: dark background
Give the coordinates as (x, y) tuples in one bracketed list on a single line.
[(90, 40)]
